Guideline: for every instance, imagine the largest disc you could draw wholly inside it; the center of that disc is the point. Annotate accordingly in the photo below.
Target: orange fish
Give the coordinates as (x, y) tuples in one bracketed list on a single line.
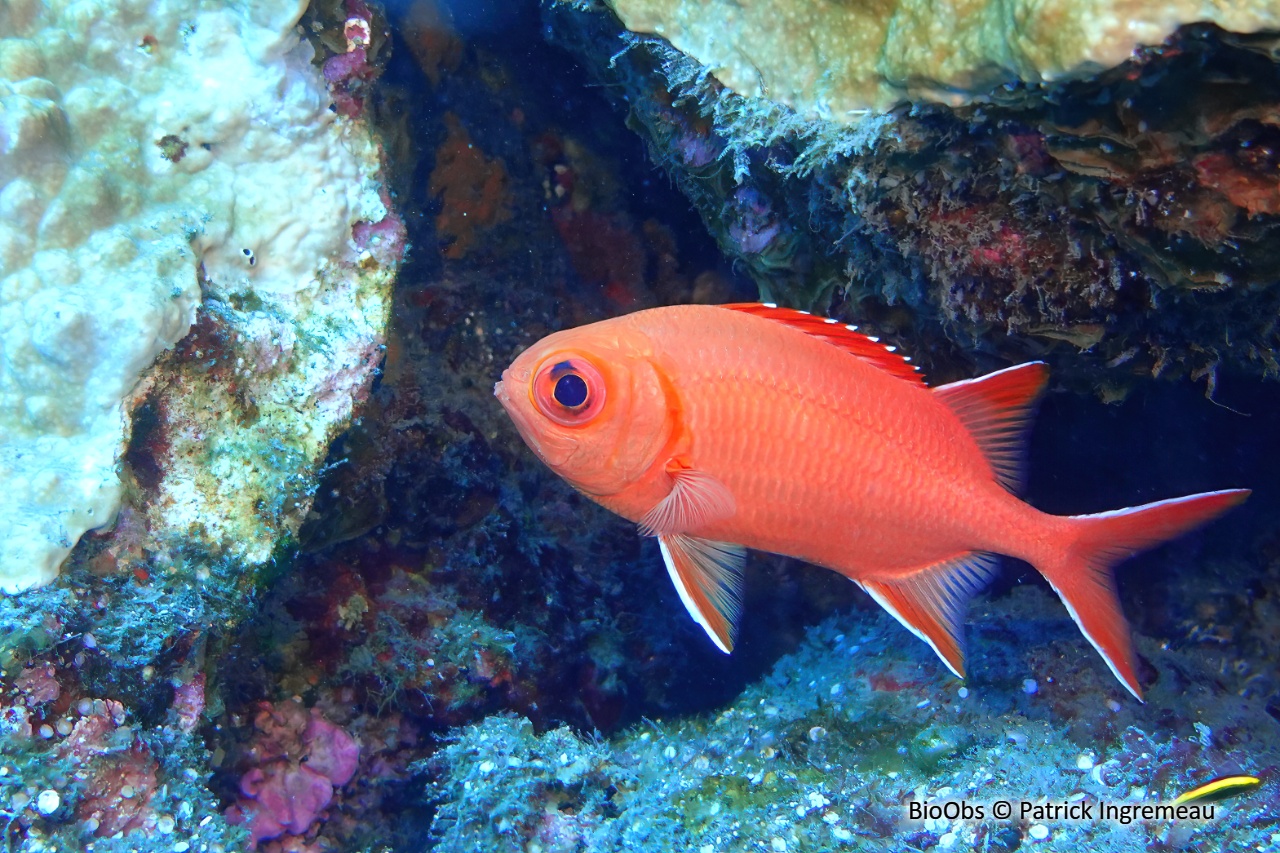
[(721, 428)]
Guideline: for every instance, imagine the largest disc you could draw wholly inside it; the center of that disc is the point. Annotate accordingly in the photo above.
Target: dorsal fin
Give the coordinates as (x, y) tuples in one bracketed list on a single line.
[(842, 335), (997, 410)]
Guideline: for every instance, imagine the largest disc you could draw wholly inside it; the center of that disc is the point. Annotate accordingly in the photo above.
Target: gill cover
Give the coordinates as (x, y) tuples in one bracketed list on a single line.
[(599, 409)]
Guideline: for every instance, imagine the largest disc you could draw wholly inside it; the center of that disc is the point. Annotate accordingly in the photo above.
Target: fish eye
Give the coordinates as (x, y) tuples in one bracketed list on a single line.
[(569, 391)]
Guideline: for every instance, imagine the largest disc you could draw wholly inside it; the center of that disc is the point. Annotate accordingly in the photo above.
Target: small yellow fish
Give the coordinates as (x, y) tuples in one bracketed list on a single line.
[(1219, 789)]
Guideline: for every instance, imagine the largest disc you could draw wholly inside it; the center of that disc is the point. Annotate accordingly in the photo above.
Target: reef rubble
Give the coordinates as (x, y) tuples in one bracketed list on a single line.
[(830, 750)]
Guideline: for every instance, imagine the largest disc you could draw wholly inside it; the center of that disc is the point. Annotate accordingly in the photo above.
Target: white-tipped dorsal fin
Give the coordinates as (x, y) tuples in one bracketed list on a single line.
[(997, 410), (846, 337), (708, 576), (931, 603)]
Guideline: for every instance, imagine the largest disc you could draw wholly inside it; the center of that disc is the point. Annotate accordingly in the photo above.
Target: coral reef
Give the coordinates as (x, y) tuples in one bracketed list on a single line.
[(832, 748), (1045, 224), (454, 570), (137, 185), (833, 60), (150, 204), (342, 608)]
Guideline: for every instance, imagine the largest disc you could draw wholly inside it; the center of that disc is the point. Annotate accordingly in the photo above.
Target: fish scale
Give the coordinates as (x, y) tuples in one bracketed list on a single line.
[(833, 448), (721, 428)]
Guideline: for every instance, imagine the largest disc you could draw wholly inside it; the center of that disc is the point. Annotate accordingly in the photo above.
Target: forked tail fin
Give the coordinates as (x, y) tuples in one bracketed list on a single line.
[(1081, 573)]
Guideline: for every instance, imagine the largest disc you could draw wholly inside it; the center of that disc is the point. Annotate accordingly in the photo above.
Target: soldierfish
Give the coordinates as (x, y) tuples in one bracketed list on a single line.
[(721, 428)]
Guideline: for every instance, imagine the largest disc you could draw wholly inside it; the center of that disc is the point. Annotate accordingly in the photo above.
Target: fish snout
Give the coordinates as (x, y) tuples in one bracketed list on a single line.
[(500, 388), (503, 389)]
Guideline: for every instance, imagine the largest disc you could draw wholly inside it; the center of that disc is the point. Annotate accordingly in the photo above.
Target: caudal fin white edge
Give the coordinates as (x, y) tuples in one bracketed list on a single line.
[(1105, 549), (1111, 664)]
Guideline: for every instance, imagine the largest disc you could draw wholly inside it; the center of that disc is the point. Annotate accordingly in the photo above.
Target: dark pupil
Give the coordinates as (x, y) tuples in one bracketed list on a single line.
[(571, 391)]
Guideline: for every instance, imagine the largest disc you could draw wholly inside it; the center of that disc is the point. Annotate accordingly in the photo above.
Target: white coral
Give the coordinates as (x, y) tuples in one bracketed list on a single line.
[(837, 59), (140, 143)]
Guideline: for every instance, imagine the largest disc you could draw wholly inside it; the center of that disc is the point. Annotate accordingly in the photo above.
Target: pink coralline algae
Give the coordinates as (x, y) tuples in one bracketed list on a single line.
[(298, 759), (345, 74), (38, 684), (349, 74), (116, 769), (384, 240)]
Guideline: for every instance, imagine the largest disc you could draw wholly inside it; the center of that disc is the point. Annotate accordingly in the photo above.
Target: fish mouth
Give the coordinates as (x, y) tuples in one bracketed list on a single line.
[(504, 397), (501, 390), (549, 447)]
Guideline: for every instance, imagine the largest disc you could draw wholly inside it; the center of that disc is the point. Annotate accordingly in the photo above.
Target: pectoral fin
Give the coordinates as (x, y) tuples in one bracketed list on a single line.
[(708, 576), (931, 602), (696, 499)]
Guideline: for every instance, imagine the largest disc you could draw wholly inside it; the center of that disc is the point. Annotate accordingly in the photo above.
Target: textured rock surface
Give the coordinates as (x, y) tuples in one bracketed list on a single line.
[(150, 151), (1119, 227), (831, 58)]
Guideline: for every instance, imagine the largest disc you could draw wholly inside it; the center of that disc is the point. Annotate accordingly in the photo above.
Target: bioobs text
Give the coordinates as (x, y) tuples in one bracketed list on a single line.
[(950, 810)]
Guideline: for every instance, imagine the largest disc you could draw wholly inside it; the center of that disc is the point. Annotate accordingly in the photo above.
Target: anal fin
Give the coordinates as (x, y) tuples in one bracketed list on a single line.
[(708, 576), (931, 603)]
